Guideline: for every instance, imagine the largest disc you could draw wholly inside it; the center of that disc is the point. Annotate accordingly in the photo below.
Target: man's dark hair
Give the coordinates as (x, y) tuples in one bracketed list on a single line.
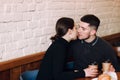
[(92, 20)]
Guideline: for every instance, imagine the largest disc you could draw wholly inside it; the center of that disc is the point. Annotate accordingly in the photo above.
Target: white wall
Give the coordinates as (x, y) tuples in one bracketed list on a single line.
[(26, 25)]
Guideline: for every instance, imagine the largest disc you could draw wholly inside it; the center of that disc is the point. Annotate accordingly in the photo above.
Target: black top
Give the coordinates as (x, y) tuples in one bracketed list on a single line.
[(52, 66), (97, 51)]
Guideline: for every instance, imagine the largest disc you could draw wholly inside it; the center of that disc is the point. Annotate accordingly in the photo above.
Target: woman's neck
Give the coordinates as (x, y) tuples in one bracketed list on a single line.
[(67, 38)]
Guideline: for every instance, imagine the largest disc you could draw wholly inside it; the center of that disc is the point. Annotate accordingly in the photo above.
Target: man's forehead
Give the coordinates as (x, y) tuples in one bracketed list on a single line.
[(84, 24)]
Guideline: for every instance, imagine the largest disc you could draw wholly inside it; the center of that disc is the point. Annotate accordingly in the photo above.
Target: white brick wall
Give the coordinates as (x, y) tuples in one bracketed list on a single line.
[(27, 25)]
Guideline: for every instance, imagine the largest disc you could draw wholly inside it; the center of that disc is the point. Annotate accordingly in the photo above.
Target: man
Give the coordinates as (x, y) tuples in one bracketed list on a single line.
[(89, 48)]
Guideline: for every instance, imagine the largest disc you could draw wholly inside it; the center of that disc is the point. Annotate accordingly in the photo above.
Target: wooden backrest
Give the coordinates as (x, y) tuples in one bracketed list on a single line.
[(112, 38), (11, 70)]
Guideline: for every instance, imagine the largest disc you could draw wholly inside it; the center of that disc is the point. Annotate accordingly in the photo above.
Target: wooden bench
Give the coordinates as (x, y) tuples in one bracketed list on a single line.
[(11, 70)]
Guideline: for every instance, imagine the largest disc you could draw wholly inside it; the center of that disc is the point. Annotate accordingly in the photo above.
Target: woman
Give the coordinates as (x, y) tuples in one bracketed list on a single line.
[(52, 66)]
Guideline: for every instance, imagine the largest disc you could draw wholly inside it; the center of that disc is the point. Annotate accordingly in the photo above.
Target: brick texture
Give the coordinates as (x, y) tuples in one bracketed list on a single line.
[(27, 25)]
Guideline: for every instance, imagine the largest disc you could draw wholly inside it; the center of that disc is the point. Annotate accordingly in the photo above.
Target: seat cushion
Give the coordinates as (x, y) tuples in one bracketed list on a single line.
[(29, 75)]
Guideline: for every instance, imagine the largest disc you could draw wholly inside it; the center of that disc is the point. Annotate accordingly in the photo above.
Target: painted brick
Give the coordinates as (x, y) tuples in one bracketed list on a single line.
[(22, 44), (38, 32), (6, 38), (17, 17), (27, 16), (22, 25), (29, 24), (34, 24), (28, 1), (17, 1), (38, 1), (41, 7), (28, 34), (2, 49), (11, 47), (22, 7), (18, 36), (2, 8)]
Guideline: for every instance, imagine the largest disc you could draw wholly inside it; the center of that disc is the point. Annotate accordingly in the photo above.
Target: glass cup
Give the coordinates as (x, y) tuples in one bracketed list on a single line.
[(94, 67), (106, 66)]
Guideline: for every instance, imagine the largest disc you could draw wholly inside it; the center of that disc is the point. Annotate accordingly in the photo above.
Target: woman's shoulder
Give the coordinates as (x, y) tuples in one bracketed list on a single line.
[(75, 41)]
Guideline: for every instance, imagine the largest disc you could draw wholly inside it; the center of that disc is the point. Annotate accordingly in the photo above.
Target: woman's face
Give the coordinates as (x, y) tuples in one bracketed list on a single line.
[(74, 33)]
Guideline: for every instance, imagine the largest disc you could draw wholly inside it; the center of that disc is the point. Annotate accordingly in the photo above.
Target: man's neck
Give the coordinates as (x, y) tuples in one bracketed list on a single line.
[(90, 39)]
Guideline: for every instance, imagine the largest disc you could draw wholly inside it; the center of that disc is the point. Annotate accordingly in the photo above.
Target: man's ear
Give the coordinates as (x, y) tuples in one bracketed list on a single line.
[(93, 32)]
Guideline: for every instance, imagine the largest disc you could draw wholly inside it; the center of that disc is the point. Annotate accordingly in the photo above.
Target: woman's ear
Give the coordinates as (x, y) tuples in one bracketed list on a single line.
[(69, 31)]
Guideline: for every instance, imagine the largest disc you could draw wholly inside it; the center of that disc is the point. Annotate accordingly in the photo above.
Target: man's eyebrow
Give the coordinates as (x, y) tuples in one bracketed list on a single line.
[(83, 27)]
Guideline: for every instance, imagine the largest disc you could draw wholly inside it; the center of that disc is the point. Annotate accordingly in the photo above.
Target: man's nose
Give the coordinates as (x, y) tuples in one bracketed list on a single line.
[(78, 30)]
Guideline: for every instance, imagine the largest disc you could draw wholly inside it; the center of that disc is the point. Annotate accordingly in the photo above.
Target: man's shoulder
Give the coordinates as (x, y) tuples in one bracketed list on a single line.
[(103, 42)]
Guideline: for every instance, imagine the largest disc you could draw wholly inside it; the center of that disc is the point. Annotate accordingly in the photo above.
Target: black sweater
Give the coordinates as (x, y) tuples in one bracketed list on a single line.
[(52, 66), (96, 51)]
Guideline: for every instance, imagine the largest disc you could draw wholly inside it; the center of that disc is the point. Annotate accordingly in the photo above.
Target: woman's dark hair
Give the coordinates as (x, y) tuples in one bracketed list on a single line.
[(92, 20), (62, 26)]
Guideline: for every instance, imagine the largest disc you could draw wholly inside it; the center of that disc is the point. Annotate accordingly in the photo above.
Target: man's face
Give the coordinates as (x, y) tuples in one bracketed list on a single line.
[(84, 30)]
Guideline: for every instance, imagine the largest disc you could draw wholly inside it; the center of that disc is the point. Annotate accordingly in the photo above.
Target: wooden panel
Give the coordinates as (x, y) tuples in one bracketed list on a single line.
[(15, 73), (5, 75), (21, 61), (11, 70), (112, 38)]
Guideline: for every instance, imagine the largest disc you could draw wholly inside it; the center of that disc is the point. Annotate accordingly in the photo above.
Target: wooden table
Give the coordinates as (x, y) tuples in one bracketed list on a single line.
[(118, 75)]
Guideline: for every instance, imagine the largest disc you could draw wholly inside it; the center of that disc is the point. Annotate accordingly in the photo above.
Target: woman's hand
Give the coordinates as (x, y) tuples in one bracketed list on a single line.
[(112, 69)]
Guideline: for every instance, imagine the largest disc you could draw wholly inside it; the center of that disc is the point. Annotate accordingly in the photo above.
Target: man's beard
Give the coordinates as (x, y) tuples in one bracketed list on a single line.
[(86, 38)]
